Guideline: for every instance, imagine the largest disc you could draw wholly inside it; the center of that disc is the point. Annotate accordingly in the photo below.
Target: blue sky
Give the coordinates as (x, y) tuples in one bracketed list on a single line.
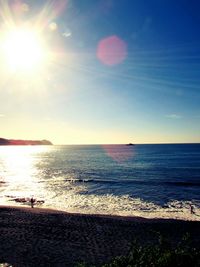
[(149, 94)]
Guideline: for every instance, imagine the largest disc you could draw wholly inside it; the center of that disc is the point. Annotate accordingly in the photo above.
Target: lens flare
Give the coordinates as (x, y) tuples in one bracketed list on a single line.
[(125, 154), (112, 50)]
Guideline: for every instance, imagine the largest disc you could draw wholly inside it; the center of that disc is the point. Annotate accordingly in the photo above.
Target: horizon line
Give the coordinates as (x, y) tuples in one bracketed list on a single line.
[(90, 144)]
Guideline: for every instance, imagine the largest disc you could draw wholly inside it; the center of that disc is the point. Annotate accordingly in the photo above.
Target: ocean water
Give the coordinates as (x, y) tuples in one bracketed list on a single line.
[(153, 181)]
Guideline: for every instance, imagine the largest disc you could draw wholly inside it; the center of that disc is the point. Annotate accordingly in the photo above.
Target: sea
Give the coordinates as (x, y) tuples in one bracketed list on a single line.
[(151, 181)]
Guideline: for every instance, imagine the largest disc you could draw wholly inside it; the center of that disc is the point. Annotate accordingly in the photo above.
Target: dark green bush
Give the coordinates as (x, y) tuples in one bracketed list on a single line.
[(163, 254)]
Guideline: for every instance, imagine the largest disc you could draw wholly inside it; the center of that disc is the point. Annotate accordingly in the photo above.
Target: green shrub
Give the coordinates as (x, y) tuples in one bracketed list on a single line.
[(162, 254)]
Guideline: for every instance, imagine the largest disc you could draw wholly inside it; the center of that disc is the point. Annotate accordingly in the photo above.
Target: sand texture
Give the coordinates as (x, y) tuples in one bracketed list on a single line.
[(38, 237)]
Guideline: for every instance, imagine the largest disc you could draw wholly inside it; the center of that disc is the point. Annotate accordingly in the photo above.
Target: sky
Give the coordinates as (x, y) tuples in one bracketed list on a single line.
[(104, 72)]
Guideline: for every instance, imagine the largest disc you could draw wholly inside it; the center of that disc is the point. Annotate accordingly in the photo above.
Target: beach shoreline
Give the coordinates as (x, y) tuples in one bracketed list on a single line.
[(47, 210), (37, 236)]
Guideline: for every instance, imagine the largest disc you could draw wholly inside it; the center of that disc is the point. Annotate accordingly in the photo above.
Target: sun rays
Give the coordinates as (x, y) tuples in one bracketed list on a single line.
[(23, 50), (25, 39)]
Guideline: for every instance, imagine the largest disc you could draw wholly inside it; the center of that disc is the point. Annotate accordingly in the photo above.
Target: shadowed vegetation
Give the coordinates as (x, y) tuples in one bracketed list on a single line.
[(162, 254)]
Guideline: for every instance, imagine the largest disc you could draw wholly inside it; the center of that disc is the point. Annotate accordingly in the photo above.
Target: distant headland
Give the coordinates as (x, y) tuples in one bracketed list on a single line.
[(13, 142)]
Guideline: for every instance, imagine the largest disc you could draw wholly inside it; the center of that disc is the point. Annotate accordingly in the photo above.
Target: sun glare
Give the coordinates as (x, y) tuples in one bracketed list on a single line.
[(23, 50)]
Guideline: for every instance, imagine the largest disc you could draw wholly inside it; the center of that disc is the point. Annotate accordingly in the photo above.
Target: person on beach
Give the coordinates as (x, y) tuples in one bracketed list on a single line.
[(32, 202), (192, 209)]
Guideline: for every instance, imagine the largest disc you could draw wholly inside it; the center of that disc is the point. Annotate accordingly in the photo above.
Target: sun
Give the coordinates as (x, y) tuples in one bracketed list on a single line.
[(23, 49)]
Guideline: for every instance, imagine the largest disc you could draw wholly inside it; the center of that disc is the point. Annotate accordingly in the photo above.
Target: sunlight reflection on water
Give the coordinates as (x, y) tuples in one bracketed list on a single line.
[(19, 174), (85, 180)]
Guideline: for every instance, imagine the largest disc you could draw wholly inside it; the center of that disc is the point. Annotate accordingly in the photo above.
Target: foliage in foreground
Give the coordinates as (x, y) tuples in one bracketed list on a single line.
[(163, 254)]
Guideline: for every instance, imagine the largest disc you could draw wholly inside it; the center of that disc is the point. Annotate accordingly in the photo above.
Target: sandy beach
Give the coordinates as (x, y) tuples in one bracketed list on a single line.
[(41, 237)]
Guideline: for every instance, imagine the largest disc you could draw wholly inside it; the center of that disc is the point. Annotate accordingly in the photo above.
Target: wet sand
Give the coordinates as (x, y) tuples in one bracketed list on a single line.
[(41, 237)]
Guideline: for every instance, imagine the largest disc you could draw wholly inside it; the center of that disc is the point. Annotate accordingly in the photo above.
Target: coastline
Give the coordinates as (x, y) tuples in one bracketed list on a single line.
[(38, 237), (50, 210)]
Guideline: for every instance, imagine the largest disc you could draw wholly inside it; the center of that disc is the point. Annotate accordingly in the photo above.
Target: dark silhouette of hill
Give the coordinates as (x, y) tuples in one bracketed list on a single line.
[(13, 142)]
